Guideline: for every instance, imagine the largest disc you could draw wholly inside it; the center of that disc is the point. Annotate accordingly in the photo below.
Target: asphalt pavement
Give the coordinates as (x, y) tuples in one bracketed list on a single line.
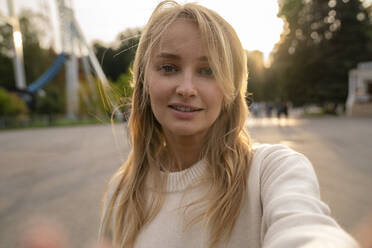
[(61, 173)]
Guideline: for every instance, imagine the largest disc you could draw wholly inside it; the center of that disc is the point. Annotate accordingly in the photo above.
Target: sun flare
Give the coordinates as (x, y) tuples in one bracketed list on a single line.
[(256, 22)]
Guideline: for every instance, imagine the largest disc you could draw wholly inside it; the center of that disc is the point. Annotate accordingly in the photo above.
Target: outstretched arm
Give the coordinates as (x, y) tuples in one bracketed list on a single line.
[(293, 214)]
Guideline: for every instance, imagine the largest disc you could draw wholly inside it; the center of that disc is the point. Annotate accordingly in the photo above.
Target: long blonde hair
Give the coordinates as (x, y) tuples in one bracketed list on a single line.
[(227, 147)]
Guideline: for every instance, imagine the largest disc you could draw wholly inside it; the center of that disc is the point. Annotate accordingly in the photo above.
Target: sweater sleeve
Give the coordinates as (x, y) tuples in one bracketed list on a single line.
[(293, 214)]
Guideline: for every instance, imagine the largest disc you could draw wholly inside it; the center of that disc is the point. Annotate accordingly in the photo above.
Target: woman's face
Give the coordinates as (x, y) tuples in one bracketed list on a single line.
[(185, 97)]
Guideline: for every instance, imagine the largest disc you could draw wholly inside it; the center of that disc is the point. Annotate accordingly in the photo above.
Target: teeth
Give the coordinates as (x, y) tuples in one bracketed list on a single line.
[(183, 109)]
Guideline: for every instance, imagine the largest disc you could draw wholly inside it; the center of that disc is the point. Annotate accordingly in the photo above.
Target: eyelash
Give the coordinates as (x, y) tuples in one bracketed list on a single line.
[(206, 72), (164, 68), (169, 69)]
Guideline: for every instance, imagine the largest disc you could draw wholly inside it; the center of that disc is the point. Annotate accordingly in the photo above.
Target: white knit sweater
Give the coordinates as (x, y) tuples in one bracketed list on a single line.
[(282, 208)]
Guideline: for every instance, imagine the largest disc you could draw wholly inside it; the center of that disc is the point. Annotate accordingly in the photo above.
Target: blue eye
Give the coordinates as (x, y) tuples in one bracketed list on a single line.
[(206, 71), (168, 68)]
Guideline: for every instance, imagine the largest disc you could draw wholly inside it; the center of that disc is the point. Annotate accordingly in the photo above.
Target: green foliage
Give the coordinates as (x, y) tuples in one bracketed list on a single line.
[(116, 59), (322, 41), (255, 75), (5, 38), (49, 103), (88, 102), (6, 66), (11, 104), (99, 101), (123, 91), (123, 86), (95, 101), (37, 58), (6, 72)]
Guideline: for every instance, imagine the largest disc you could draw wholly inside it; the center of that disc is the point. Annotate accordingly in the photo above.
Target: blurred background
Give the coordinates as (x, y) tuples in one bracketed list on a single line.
[(310, 87)]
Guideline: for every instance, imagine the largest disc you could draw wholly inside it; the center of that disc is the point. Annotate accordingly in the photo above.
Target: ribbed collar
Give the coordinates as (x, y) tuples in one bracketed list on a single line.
[(180, 180)]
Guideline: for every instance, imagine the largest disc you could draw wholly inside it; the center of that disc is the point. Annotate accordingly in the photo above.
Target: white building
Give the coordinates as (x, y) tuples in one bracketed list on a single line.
[(359, 100)]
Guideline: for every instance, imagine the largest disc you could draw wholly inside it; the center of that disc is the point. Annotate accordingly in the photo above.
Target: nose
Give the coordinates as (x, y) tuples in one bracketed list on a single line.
[(186, 87)]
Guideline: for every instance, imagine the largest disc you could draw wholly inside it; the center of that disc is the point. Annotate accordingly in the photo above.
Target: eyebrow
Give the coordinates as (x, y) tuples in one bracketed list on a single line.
[(177, 57)]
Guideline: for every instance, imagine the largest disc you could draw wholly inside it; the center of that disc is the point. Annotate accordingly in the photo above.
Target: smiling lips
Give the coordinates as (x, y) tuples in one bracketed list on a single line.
[(184, 108)]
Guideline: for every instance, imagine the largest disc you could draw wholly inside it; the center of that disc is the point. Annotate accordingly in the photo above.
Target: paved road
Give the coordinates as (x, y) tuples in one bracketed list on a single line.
[(341, 152), (61, 172)]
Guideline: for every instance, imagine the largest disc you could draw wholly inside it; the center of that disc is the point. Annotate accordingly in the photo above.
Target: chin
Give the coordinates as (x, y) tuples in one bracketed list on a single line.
[(185, 131)]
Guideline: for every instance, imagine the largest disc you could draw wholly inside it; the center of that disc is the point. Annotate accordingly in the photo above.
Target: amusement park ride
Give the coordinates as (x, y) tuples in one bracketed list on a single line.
[(72, 39)]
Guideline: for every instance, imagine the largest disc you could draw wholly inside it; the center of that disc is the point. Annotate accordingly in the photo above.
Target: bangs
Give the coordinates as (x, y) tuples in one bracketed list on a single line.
[(217, 40)]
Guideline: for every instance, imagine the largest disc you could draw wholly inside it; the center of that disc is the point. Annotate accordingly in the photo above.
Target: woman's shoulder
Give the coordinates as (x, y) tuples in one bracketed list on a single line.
[(274, 162), (268, 155), (264, 151)]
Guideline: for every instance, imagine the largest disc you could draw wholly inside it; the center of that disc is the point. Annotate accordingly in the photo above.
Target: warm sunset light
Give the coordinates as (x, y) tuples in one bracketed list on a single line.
[(256, 22), (17, 36)]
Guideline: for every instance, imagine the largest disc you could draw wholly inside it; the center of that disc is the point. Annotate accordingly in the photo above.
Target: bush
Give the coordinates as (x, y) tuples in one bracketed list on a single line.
[(122, 92), (11, 104)]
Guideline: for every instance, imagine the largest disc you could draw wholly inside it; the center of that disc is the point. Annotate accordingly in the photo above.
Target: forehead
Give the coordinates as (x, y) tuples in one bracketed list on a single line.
[(182, 35)]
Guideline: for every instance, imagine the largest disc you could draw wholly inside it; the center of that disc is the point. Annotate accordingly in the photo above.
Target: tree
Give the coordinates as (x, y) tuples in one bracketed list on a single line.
[(116, 59), (322, 41), (7, 80), (49, 104), (37, 58), (11, 104), (255, 75)]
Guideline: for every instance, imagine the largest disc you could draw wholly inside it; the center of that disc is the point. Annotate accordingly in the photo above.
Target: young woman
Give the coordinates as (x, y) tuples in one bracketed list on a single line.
[(192, 178)]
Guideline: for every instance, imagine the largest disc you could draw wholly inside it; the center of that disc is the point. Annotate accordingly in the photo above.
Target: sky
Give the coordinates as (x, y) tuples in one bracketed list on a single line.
[(255, 21)]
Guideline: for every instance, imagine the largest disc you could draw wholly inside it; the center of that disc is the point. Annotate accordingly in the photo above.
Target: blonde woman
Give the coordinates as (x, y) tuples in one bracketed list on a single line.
[(192, 178)]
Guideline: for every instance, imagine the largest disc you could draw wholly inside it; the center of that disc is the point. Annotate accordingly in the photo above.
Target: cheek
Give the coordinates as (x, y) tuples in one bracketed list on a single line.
[(156, 92), (153, 95), (155, 84), (216, 98), (157, 98), (152, 86), (160, 88)]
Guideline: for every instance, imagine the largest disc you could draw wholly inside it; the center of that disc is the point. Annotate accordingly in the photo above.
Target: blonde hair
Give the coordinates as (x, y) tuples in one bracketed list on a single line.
[(227, 147)]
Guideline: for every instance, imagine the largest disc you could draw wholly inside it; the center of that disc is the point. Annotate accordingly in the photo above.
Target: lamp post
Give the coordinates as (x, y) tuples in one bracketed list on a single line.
[(19, 70), (68, 46)]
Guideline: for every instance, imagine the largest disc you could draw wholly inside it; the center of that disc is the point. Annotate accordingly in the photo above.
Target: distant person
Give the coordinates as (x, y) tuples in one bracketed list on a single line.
[(255, 109), (282, 109), (192, 177), (268, 109)]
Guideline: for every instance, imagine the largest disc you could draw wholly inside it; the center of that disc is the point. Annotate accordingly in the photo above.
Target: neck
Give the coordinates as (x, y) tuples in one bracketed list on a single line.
[(183, 151)]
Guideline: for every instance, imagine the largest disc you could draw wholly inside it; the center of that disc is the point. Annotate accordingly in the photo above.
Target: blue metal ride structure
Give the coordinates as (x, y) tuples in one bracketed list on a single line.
[(48, 75)]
